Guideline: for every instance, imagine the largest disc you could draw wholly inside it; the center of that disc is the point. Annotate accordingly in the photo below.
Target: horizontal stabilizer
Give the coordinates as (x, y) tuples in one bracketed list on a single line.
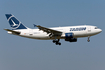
[(14, 32)]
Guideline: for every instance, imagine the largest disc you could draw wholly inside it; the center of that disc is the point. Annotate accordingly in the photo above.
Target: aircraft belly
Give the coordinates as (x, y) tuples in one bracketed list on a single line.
[(80, 34), (36, 37)]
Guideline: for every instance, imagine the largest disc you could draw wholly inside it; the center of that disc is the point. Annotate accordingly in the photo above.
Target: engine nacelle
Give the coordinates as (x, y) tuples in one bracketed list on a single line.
[(71, 39), (69, 35)]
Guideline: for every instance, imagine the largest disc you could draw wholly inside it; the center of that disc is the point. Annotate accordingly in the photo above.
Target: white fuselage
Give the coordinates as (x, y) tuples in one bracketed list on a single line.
[(78, 31)]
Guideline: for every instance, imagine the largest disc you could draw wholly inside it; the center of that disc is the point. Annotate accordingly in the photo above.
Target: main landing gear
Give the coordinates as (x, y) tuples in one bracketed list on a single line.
[(88, 39), (57, 42)]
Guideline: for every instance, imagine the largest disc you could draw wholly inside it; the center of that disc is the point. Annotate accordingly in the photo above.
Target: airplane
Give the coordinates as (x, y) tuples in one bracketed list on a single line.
[(68, 33)]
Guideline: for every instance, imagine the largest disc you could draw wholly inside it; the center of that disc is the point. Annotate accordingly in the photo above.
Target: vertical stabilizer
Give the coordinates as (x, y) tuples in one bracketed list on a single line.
[(14, 22)]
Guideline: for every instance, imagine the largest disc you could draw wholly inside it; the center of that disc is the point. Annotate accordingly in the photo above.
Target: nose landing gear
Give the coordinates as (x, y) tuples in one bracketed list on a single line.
[(88, 39)]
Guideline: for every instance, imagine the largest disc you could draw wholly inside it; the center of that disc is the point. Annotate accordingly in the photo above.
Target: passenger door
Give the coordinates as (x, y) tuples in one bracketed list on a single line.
[(89, 29)]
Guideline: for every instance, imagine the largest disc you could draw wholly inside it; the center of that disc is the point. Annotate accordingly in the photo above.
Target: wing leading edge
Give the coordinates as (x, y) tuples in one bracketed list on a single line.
[(48, 30)]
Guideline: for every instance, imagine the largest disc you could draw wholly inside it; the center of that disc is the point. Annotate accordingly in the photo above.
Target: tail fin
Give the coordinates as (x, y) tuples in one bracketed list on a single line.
[(14, 23)]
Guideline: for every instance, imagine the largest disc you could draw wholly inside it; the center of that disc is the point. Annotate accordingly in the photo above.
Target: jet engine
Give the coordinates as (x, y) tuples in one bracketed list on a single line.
[(69, 37)]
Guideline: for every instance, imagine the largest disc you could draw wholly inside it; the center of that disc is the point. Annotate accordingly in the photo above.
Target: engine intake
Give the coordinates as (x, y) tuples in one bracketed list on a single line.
[(69, 37)]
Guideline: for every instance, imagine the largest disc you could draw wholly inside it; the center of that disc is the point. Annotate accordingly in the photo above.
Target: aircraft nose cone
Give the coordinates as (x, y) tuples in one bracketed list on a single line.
[(100, 30)]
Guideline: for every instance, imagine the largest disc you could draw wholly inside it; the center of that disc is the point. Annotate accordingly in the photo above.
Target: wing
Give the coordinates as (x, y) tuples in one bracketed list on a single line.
[(48, 30), (14, 32)]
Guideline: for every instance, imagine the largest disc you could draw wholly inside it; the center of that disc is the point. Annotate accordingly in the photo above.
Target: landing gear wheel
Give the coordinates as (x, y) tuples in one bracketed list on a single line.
[(56, 42), (88, 40), (59, 43)]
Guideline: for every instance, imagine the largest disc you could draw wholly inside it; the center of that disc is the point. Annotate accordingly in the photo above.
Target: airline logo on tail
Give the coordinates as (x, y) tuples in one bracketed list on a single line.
[(14, 23)]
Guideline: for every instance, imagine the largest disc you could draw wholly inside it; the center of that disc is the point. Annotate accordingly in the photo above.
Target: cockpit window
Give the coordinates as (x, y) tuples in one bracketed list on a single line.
[(96, 27)]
